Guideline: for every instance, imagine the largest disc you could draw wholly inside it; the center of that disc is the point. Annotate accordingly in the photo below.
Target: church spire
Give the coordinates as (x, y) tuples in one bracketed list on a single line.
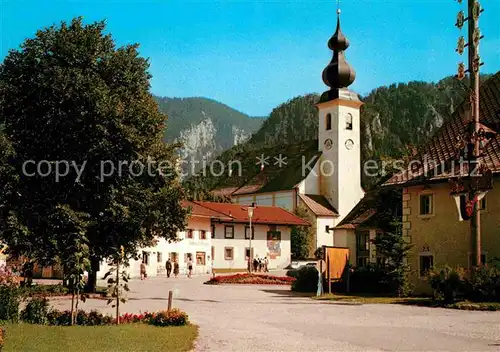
[(338, 74)]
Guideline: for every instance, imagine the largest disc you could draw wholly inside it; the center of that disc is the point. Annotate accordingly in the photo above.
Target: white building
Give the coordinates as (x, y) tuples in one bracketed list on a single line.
[(218, 237), (323, 176)]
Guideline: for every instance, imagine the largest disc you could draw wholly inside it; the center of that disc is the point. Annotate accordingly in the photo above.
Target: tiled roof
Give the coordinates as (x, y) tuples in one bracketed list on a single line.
[(262, 214), (200, 211), (274, 176), (441, 148), (374, 210), (318, 205)]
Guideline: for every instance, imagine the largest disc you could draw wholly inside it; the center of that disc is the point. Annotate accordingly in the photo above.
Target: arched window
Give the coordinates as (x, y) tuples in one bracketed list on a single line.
[(328, 120), (348, 122)]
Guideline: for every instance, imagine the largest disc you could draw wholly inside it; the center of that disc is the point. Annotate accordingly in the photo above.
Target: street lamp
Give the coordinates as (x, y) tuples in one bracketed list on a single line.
[(250, 215)]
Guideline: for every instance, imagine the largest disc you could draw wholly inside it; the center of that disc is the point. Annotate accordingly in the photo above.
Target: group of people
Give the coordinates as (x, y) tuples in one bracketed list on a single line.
[(259, 264), (168, 266)]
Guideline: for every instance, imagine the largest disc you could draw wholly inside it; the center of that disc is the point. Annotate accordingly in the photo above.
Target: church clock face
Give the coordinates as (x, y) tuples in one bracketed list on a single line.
[(328, 144), (349, 144)]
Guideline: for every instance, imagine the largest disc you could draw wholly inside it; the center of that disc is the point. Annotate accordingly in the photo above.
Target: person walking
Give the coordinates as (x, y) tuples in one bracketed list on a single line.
[(143, 271), (176, 268), (190, 268), (168, 266), (255, 264), (266, 264)]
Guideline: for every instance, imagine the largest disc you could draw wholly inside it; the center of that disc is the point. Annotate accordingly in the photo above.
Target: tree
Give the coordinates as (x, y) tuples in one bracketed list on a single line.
[(301, 237), (392, 246), (74, 104)]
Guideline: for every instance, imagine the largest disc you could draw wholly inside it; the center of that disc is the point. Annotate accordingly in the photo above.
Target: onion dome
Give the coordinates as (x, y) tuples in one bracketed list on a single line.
[(338, 74)]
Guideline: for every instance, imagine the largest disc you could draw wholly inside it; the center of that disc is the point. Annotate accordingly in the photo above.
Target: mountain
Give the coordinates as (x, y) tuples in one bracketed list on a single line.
[(394, 120), (205, 127)]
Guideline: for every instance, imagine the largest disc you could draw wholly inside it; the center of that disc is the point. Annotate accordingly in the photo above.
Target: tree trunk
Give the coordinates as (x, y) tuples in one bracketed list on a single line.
[(73, 308), (91, 284), (117, 283)]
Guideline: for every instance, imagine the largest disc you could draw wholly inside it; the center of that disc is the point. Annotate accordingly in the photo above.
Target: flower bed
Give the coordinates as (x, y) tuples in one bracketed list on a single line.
[(173, 317), (253, 279)]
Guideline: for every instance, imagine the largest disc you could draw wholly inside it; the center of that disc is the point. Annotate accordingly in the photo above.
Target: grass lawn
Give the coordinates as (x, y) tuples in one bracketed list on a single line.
[(416, 301), (130, 337)]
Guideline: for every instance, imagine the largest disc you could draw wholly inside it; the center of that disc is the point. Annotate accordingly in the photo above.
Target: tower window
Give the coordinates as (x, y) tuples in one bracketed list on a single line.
[(348, 122), (328, 120)]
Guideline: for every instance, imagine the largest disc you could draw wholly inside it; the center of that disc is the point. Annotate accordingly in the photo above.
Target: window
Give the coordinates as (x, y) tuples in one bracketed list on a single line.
[(159, 257), (228, 253), (247, 232), (145, 258), (426, 204), (348, 122), (213, 231), (200, 258), (426, 264), (228, 231), (173, 256), (189, 233), (203, 235), (213, 253), (328, 121), (273, 228), (363, 241), (248, 253)]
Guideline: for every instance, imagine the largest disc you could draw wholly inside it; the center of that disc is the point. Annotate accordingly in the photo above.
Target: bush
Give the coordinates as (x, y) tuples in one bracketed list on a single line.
[(10, 295), (292, 273), (36, 311), (45, 290), (484, 284), (173, 317), (370, 279), (448, 284), (307, 280)]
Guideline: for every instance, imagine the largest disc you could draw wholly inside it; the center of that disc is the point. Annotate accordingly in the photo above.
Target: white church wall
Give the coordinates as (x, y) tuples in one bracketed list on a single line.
[(244, 200), (346, 238), (324, 238), (311, 183), (264, 199), (285, 200)]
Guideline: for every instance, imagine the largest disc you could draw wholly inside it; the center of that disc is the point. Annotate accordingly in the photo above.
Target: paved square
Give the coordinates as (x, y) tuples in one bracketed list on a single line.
[(261, 318)]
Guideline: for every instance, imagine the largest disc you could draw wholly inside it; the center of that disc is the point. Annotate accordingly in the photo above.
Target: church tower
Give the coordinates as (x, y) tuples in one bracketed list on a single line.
[(339, 131)]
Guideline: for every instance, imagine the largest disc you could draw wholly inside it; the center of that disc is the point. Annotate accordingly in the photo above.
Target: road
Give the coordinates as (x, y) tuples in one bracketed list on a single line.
[(269, 318)]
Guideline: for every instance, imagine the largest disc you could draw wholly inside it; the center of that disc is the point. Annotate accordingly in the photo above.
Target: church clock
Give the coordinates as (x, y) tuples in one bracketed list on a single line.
[(328, 144), (349, 144)]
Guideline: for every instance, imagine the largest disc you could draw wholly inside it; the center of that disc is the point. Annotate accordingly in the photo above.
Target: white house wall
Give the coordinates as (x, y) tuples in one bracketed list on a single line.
[(184, 246), (311, 183), (260, 245)]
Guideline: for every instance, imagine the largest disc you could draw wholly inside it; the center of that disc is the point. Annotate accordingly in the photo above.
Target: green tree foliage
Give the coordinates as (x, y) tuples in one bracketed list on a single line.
[(69, 94), (301, 237), (394, 249)]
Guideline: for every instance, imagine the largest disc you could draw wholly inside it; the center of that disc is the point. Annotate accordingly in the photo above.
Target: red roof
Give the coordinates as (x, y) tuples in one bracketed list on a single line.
[(262, 214), (199, 211)]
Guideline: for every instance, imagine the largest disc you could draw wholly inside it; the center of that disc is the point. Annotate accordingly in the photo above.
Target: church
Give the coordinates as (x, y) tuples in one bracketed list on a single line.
[(321, 176)]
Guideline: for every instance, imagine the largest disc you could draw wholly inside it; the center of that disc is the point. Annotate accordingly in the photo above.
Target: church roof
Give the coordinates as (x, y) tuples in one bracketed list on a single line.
[(442, 147), (274, 176), (318, 204)]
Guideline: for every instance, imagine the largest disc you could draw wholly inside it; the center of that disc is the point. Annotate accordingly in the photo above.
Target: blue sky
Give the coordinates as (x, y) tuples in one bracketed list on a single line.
[(254, 55)]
